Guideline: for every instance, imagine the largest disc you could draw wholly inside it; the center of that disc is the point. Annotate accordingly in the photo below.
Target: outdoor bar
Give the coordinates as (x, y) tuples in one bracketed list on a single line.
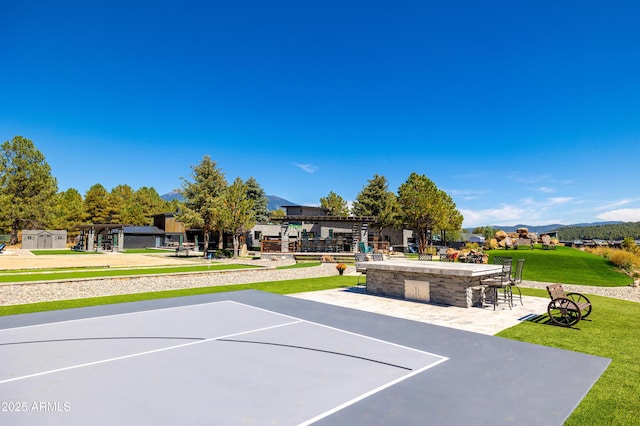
[(448, 283)]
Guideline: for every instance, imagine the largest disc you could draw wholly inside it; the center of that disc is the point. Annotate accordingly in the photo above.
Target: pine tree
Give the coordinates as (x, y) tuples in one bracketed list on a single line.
[(97, 205), (203, 204), (336, 204), (260, 200), (375, 199), (69, 212), (27, 188), (371, 200), (121, 201)]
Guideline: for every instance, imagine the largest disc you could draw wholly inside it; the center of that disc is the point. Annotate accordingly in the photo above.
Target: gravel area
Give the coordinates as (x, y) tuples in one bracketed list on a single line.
[(14, 294), (624, 293)]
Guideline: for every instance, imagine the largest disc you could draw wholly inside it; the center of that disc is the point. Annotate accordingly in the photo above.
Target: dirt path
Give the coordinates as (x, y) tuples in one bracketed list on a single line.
[(24, 259)]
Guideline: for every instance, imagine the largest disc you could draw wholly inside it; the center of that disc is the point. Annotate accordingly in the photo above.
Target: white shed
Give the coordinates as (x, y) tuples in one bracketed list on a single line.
[(35, 239)]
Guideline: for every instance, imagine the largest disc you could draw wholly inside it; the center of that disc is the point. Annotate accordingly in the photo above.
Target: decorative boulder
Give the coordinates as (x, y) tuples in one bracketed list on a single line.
[(501, 235)]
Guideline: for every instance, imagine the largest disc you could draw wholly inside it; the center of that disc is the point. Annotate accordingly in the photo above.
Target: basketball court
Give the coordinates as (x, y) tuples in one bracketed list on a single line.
[(254, 358)]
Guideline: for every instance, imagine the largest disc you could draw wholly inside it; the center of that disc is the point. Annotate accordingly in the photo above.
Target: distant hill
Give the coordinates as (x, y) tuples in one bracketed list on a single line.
[(173, 195), (275, 202)]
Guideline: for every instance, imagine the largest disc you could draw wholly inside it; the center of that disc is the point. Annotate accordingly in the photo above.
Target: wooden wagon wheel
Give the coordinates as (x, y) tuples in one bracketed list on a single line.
[(581, 299), (564, 312)]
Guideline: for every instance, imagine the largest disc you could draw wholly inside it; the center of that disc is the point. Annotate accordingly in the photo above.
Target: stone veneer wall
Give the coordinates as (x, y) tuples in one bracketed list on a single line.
[(452, 290)]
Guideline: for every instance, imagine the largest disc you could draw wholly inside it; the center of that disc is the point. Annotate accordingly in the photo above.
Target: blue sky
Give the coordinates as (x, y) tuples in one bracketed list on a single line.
[(524, 112)]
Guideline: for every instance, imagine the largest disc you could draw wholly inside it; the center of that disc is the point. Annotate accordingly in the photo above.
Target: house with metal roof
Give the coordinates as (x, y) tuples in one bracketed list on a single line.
[(118, 237)]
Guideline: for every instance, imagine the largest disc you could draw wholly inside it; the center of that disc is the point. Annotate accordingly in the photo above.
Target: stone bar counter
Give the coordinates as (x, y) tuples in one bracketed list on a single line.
[(448, 283)]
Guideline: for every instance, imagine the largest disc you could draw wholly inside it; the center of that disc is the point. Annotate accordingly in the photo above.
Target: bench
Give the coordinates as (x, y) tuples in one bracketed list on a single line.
[(523, 242), (567, 309), (184, 249)]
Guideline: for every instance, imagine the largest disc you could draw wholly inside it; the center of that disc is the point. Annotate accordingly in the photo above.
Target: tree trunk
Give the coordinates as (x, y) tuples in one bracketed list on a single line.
[(206, 241), (14, 233), (423, 240), (235, 245)]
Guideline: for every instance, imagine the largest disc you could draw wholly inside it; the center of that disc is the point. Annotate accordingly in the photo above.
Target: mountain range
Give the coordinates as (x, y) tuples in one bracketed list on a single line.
[(275, 202)]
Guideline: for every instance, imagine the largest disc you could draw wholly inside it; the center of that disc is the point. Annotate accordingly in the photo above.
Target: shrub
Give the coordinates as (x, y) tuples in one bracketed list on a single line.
[(624, 259), (220, 253), (600, 251)]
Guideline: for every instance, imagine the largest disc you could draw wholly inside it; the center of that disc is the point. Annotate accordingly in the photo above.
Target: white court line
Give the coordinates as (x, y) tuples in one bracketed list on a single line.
[(347, 332), (104, 361), (373, 391), (295, 320), (112, 315)]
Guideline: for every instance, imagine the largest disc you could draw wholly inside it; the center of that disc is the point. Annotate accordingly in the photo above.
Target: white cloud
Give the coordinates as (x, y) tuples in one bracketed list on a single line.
[(466, 194), (624, 215), (559, 200), (497, 216), (309, 168), (545, 189), (618, 203)]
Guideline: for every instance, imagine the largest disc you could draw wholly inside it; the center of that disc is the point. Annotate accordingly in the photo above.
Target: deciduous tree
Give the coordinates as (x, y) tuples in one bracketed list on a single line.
[(239, 213), (27, 188), (425, 207), (278, 214), (449, 219)]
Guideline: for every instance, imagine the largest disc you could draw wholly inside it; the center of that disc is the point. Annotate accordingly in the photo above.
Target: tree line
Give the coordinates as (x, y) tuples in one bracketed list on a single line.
[(29, 199), (609, 232)]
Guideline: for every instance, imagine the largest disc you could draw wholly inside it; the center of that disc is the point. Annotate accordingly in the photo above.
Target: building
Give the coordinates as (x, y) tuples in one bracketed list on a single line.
[(119, 237), (312, 229), (43, 239)]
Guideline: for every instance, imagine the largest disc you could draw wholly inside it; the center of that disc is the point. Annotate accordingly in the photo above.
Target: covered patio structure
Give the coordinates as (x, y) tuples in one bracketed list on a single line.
[(321, 234)]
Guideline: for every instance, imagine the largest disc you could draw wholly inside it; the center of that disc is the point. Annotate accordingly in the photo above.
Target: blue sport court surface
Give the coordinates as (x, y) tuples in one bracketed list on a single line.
[(254, 358)]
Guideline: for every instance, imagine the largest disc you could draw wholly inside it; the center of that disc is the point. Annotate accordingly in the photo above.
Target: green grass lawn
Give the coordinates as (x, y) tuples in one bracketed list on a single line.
[(60, 252), (611, 331), (563, 265), (566, 265), (278, 287)]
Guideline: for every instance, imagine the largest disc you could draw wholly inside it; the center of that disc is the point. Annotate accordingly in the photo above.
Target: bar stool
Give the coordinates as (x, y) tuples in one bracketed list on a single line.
[(517, 279), (501, 282)]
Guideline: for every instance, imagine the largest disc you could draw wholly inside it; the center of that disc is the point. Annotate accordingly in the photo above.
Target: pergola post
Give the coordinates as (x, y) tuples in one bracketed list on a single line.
[(364, 233), (121, 239), (90, 239), (284, 237)]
